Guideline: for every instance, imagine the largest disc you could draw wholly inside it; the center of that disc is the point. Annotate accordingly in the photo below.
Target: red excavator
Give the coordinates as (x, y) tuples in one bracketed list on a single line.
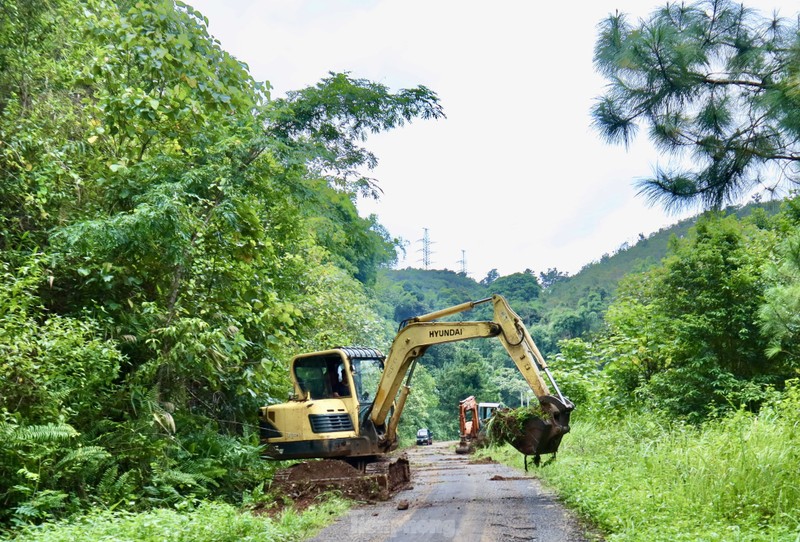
[(472, 419), (469, 424)]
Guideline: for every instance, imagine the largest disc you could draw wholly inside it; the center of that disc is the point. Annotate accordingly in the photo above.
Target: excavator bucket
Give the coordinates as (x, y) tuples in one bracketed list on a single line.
[(391, 474), (536, 434), (463, 447), (543, 435)]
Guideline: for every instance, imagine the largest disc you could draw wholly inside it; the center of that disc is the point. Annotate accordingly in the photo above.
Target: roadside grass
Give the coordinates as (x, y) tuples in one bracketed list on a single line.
[(208, 522), (644, 478)]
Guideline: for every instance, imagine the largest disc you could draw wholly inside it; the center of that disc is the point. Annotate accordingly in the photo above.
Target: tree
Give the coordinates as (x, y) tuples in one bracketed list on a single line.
[(212, 213), (466, 373), (780, 314), (518, 287), (686, 334), (359, 245), (512, 387), (325, 122), (422, 403), (490, 277), (42, 52), (711, 79), (551, 276)]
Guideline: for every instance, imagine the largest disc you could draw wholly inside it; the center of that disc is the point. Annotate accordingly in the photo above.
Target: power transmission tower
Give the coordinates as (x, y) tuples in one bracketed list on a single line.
[(463, 262), (426, 249)]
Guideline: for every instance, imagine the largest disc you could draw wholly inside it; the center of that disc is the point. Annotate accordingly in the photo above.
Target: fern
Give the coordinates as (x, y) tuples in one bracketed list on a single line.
[(113, 487), (84, 455), (36, 434), (171, 485), (184, 479), (107, 484), (41, 506)]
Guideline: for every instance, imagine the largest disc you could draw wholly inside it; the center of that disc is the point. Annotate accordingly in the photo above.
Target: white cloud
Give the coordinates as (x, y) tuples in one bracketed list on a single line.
[(515, 176)]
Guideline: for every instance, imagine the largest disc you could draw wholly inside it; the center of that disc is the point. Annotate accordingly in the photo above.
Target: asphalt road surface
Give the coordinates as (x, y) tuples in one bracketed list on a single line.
[(452, 497)]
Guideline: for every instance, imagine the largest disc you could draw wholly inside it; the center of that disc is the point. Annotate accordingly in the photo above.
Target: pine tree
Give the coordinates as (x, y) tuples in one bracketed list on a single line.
[(713, 82)]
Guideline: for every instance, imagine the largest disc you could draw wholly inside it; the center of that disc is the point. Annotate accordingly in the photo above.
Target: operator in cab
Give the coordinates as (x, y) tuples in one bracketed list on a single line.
[(340, 388)]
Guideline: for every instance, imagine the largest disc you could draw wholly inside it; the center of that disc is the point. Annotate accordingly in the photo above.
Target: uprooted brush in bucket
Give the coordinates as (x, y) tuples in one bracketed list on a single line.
[(533, 430)]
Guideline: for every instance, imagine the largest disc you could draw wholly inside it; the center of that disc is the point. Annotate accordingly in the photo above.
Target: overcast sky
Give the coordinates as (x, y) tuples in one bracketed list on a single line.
[(514, 178)]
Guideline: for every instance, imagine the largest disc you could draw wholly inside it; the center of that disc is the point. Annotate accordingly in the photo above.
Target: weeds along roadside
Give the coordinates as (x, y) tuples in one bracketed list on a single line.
[(642, 477), (208, 522)]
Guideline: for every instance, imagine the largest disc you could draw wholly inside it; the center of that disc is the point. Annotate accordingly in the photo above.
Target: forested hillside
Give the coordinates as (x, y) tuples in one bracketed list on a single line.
[(574, 305), (568, 319), (554, 304)]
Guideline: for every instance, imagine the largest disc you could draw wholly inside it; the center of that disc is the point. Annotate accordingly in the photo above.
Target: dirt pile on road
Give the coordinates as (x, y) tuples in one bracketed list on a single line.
[(323, 469), (304, 482)]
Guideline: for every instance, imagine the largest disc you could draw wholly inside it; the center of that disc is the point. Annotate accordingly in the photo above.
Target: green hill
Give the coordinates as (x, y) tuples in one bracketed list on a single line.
[(572, 306), (603, 276)]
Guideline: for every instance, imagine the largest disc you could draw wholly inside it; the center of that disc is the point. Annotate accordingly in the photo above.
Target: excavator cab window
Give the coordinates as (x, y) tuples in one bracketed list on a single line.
[(366, 376), (321, 376), (486, 410)]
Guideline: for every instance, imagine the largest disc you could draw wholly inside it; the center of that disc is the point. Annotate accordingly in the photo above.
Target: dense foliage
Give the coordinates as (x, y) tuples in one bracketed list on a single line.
[(695, 320), (686, 334), (208, 522), (648, 478), (170, 235)]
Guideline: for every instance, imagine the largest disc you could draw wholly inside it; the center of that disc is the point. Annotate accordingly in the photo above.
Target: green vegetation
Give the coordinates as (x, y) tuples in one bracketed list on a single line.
[(686, 426), (700, 281), (506, 426), (713, 82), (649, 478), (172, 234), (211, 522)]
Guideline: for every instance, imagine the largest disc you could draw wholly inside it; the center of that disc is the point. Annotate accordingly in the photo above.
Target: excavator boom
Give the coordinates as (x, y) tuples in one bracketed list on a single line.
[(418, 333)]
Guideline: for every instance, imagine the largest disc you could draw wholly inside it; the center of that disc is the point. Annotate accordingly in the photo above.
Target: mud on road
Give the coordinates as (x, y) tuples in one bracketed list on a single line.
[(452, 497)]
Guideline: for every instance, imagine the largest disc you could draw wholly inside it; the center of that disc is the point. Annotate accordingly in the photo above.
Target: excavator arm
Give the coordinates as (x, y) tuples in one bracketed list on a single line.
[(418, 333)]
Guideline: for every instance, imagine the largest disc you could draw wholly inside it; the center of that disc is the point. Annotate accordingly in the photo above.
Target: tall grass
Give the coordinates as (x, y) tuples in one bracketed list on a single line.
[(644, 478), (209, 522)]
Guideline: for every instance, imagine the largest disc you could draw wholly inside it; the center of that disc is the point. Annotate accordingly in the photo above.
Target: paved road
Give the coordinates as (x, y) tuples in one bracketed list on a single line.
[(452, 498)]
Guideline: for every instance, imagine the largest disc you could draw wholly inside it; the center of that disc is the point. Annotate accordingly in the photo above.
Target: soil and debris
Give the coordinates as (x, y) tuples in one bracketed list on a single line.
[(498, 478), (300, 485), (486, 460)]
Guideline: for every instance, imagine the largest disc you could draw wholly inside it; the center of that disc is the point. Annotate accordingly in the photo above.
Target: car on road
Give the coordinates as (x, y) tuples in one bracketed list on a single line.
[(424, 436)]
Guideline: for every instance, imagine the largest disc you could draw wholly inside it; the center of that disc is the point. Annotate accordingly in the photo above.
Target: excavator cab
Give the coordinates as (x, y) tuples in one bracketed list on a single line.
[(487, 410), (324, 375), (326, 413)]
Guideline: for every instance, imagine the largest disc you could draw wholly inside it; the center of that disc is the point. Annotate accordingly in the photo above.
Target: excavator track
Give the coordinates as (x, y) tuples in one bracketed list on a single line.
[(394, 474)]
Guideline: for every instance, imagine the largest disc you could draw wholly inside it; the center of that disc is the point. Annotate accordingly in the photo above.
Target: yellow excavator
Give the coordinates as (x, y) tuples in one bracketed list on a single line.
[(347, 401)]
